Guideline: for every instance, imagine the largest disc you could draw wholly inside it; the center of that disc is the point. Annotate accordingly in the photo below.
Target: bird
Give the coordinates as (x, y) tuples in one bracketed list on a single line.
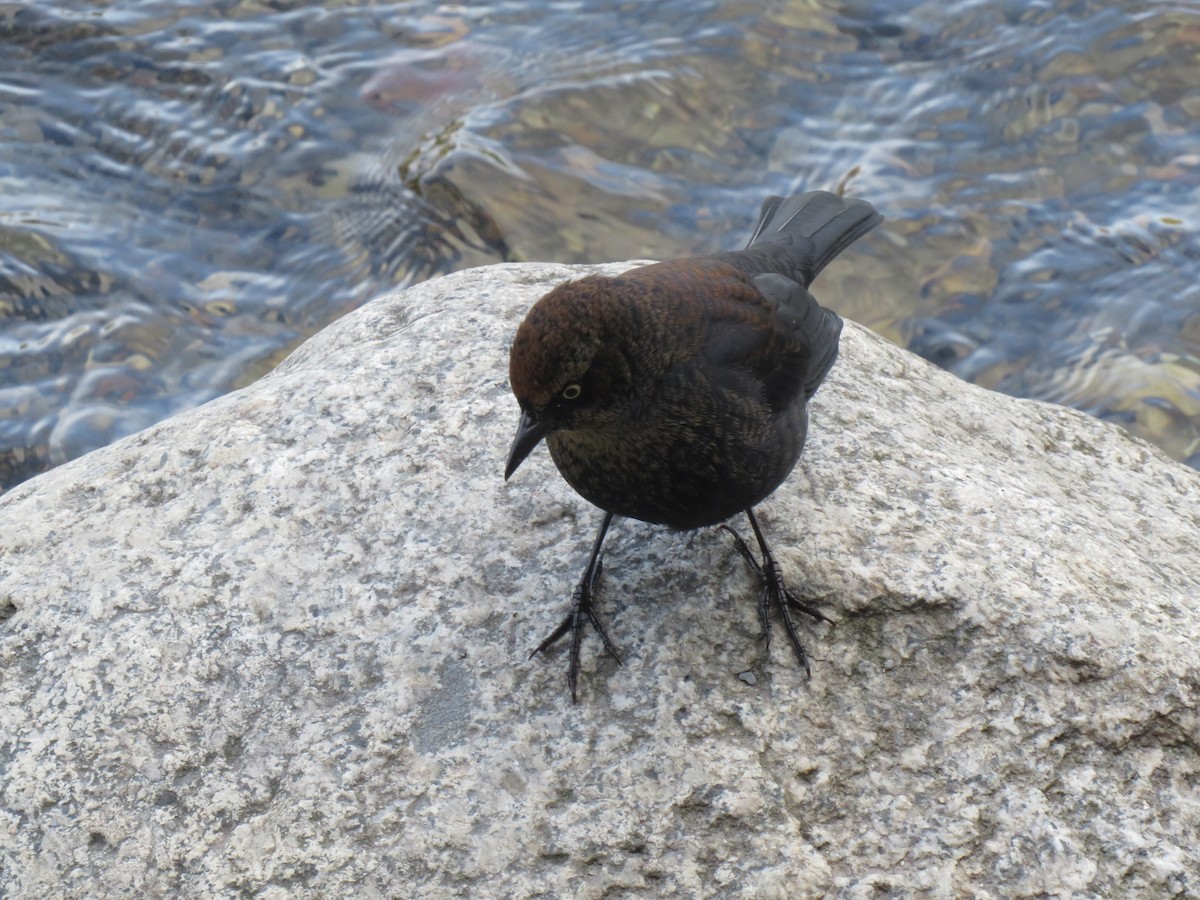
[(677, 392)]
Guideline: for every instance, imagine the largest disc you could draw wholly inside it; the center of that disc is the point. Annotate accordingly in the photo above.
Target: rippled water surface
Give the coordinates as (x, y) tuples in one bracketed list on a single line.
[(187, 190)]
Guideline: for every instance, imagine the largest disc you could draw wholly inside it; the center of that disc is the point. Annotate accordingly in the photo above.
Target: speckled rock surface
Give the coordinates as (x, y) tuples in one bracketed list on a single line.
[(277, 647)]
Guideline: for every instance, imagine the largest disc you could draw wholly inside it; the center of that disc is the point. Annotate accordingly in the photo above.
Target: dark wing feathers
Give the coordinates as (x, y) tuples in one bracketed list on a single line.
[(775, 339), (809, 340)]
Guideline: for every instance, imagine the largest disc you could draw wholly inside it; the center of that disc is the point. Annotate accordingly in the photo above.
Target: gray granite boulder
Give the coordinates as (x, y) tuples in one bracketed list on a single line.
[(277, 646)]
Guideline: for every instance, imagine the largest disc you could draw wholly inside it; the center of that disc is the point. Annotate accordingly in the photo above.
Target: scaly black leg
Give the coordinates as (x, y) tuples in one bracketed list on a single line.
[(581, 608), (774, 589)]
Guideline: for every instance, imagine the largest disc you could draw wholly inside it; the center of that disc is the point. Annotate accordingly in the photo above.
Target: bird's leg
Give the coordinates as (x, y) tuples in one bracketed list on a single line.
[(581, 608), (770, 573), (764, 598)]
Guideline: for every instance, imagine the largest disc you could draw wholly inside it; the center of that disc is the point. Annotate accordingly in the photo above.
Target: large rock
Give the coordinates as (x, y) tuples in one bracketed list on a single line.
[(277, 646)]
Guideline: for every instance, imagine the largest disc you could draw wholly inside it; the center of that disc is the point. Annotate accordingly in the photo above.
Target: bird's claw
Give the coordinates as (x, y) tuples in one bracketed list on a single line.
[(581, 609), (775, 591)]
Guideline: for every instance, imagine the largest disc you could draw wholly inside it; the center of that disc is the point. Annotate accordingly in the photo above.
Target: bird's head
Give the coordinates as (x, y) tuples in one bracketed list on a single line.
[(567, 367)]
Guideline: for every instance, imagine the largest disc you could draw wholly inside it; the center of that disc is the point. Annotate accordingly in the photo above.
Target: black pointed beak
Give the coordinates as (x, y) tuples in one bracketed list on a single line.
[(530, 432)]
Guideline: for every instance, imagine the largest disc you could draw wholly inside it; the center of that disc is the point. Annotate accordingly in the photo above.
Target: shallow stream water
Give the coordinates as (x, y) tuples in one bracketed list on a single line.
[(188, 190)]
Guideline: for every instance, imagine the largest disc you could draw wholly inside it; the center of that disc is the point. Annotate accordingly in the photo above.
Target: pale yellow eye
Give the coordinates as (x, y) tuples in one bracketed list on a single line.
[(572, 392)]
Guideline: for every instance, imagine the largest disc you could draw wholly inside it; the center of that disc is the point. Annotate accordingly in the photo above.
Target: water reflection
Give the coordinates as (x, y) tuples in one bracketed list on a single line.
[(188, 190)]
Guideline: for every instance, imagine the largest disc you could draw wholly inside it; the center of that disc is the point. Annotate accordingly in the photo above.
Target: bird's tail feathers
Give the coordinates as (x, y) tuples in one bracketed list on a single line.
[(814, 227)]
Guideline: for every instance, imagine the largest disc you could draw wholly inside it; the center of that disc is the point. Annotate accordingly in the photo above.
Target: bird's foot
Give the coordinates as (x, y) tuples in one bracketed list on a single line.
[(775, 591), (581, 609)]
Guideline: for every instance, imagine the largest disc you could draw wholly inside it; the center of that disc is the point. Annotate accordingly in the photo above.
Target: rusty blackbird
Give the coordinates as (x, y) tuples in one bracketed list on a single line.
[(677, 393)]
